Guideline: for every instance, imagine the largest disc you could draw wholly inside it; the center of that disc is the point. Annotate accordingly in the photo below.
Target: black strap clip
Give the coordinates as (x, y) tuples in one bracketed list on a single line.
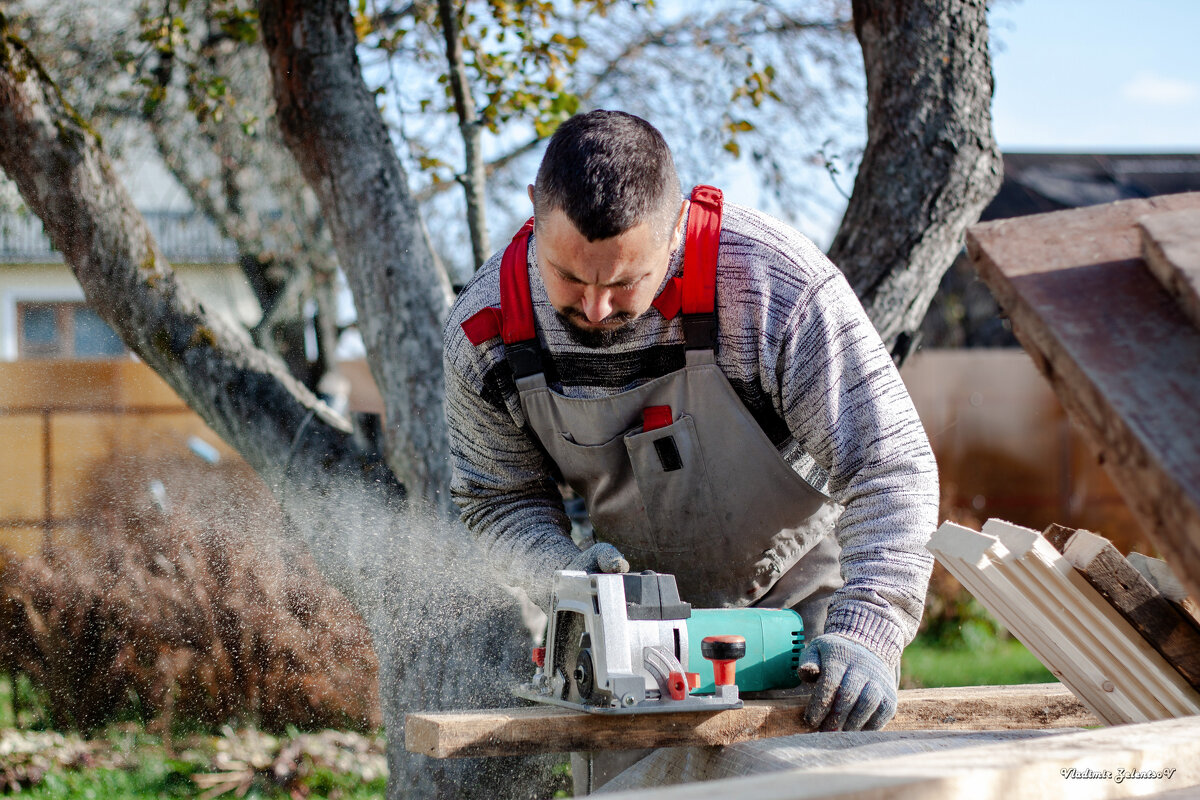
[(524, 358), (700, 331)]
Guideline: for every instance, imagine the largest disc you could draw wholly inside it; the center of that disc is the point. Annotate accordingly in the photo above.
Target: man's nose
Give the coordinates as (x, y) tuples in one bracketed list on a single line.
[(597, 303)]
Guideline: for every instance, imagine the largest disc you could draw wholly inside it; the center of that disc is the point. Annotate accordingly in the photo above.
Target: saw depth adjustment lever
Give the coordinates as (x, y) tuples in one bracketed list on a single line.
[(723, 652)]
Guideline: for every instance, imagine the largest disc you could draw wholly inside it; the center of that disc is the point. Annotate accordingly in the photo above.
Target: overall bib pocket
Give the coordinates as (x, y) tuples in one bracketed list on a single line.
[(671, 475), (600, 473)]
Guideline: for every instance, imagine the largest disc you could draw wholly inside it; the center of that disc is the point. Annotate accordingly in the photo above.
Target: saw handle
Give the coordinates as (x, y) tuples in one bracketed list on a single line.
[(723, 651)]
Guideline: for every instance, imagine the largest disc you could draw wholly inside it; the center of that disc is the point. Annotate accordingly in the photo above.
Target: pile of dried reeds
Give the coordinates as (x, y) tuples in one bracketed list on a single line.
[(183, 600)]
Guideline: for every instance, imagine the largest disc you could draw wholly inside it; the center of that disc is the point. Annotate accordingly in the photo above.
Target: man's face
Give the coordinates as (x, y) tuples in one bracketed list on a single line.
[(600, 287)]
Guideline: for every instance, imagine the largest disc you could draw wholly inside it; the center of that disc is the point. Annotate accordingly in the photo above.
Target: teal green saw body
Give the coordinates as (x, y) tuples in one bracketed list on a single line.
[(774, 639)]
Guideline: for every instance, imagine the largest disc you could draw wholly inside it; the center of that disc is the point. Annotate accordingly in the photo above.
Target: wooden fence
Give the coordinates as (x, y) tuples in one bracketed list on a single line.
[(1005, 448), (59, 420)]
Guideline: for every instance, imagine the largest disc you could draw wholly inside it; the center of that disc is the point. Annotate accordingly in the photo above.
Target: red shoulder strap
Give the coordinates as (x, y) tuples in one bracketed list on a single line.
[(483, 325), (513, 320), (516, 303), (700, 251)]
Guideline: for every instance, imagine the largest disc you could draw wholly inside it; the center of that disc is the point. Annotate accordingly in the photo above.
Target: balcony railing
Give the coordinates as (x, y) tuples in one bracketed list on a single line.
[(183, 236)]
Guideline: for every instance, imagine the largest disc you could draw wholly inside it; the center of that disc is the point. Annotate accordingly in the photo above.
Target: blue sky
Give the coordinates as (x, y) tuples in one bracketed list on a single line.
[(1097, 75)]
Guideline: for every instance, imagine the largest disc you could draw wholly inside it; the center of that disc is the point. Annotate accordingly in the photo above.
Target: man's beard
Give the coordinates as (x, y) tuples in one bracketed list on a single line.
[(596, 338)]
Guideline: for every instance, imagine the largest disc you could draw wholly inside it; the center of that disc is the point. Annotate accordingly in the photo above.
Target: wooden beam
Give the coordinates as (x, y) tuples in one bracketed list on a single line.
[(1163, 579), (1124, 761), (1018, 576), (1171, 249), (1150, 614), (1120, 353), (546, 729)]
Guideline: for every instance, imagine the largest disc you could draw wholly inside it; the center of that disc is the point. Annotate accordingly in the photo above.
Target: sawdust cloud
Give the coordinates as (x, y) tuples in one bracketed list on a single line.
[(446, 633)]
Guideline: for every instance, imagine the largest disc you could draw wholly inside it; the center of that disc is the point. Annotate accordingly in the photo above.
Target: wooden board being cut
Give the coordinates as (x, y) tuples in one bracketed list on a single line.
[(1118, 349), (546, 729)]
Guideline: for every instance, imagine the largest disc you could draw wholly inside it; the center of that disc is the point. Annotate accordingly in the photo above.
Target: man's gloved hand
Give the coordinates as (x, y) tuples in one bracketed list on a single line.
[(853, 688), (602, 557)]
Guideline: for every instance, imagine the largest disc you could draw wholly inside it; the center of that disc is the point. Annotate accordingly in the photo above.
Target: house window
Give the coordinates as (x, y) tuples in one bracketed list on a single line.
[(64, 330)]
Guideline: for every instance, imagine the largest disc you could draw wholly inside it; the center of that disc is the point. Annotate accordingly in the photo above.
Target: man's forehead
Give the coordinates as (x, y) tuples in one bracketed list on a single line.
[(619, 259)]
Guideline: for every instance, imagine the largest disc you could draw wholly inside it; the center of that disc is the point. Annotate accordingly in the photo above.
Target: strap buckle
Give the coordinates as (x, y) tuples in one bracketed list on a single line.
[(700, 331), (525, 358)]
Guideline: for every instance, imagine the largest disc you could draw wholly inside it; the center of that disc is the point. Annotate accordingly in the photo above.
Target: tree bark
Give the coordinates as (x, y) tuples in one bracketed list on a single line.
[(330, 122), (445, 635), (931, 163), (474, 177)]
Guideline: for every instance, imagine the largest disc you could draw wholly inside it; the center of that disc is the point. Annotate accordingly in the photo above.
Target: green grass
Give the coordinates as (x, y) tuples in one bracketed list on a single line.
[(990, 663), (129, 762), (155, 779), (160, 777)]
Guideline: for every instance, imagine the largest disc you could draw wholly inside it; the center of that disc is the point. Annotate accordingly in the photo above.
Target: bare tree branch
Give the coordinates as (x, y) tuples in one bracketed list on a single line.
[(473, 179), (291, 439)]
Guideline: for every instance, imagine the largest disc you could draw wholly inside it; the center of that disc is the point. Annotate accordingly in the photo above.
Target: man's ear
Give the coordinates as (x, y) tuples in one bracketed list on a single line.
[(677, 234), (530, 187)]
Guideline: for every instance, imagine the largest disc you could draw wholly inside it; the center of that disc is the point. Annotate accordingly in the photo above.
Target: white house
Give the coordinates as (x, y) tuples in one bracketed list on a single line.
[(42, 310)]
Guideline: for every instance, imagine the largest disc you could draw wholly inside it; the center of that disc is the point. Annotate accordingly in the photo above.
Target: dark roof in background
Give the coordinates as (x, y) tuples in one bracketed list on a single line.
[(1035, 183)]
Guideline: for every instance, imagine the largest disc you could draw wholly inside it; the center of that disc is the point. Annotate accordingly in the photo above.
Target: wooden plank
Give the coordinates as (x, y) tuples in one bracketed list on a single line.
[(1108, 636), (1019, 577), (1150, 614), (1120, 353), (973, 558), (1030, 769), (1163, 579), (546, 729), (1171, 249)]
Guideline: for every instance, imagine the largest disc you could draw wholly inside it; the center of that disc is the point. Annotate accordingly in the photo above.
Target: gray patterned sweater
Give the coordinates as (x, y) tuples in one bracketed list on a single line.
[(797, 347)]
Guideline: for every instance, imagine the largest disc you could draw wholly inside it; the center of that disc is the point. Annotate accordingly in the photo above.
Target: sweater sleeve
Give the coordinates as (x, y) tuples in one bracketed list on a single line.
[(501, 480), (843, 400)]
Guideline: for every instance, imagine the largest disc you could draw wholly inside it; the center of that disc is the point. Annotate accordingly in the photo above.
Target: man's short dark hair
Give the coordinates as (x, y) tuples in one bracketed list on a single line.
[(608, 171)]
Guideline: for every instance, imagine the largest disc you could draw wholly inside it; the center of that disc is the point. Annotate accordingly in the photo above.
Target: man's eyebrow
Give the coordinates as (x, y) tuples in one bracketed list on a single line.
[(628, 281), (562, 273)]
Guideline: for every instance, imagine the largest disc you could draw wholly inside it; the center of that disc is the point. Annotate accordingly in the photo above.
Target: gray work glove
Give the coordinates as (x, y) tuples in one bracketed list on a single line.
[(853, 689), (602, 557)]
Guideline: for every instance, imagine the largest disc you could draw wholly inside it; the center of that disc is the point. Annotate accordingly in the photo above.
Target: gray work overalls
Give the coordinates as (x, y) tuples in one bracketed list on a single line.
[(676, 473)]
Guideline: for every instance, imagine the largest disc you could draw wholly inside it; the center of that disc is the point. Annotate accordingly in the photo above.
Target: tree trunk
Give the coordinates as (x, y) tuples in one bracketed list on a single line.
[(931, 163), (445, 635), (331, 124)]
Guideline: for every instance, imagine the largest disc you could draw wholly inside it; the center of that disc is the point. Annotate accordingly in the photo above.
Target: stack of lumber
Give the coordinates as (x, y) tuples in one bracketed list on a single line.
[(1068, 624), (1105, 300)]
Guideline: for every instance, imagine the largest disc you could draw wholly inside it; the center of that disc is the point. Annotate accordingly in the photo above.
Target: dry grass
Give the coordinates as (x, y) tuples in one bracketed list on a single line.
[(196, 608)]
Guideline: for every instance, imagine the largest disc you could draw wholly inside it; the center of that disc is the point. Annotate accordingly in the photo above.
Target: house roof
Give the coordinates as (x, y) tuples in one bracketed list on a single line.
[(184, 236), (1039, 182)]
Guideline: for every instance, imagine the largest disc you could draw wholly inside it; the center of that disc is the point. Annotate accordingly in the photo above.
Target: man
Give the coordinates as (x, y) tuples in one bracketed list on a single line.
[(705, 378)]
